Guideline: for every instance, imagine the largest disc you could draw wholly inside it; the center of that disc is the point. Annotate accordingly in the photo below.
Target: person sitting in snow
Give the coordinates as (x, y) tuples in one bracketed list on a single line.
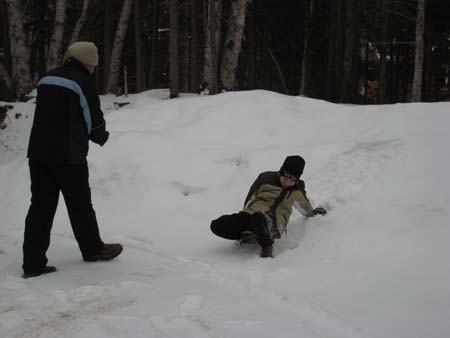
[(268, 207)]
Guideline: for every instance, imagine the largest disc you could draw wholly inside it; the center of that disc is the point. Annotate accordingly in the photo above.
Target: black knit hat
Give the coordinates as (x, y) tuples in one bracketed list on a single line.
[(292, 167)]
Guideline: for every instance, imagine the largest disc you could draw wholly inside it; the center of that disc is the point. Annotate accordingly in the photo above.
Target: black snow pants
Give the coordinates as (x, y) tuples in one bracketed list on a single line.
[(231, 227), (47, 180)]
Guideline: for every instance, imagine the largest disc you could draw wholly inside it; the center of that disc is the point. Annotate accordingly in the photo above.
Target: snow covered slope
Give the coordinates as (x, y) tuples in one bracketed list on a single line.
[(377, 266)]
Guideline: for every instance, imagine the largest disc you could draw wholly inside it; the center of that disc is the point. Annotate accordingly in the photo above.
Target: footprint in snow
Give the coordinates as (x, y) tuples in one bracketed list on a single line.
[(187, 190), (190, 303)]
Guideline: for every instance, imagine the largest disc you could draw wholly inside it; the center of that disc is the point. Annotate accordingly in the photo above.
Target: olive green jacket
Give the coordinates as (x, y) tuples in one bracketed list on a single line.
[(266, 195)]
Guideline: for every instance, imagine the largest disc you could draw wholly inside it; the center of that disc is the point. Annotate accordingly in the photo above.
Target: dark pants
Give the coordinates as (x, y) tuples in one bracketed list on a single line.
[(47, 180), (231, 227)]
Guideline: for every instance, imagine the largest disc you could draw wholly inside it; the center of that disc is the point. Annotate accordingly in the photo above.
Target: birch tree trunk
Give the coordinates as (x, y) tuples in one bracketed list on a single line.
[(20, 73), (233, 42), (418, 65), (79, 25), (173, 49), (54, 51), (119, 40)]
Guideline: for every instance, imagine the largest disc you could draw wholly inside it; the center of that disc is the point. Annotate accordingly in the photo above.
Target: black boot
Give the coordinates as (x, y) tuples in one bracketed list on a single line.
[(47, 269)]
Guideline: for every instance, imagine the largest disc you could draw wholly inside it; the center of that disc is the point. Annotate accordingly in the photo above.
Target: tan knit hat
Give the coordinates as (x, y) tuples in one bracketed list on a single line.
[(85, 52)]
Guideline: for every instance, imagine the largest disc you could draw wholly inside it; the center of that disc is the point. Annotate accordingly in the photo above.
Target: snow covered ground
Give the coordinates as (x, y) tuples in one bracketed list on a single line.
[(377, 266)]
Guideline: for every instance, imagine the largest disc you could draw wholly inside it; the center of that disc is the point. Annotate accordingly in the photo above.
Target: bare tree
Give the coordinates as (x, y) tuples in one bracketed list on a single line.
[(184, 45), (418, 66), (119, 40), (138, 40), (329, 90), (154, 44), (309, 9), (195, 45), (212, 43), (339, 50), (382, 72), (20, 72), (251, 47), (80, 23), (4, 74), (350, 41), (107, 42), (173, 49), (55, 48), (233, 42)]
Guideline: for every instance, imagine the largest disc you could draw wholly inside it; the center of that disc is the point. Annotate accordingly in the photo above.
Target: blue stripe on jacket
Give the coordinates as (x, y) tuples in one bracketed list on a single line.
[(72, 85)]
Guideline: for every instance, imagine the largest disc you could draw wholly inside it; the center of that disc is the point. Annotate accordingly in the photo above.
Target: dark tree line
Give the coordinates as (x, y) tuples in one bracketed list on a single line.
[(355, 51)]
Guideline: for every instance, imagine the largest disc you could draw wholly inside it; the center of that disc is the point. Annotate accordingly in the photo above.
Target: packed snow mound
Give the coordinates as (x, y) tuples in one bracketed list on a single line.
[(375, 266)]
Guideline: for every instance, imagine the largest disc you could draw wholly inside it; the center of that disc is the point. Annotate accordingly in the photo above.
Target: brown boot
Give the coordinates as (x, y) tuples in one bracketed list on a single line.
[(109, 251), (267, 251)]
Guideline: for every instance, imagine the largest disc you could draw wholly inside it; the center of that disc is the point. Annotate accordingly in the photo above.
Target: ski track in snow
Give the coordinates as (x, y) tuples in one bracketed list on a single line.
[(56, 313), (347, 174)]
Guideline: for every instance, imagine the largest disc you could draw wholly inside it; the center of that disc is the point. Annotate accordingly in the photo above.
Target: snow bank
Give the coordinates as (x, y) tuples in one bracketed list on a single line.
[(375, 266)]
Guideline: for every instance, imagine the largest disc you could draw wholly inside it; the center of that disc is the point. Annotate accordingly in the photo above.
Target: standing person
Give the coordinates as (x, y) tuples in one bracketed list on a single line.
[(67, 117), (268, 207)]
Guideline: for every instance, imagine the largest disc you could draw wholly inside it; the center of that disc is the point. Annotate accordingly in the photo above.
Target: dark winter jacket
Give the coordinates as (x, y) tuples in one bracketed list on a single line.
[(266, 195), (67, 116)]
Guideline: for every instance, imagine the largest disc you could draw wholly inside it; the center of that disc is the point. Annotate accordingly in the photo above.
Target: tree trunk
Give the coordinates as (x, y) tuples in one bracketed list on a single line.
[(251, 39), (233, 42), (4, 75), (119, 40), (339, 56), (20, 74), (55, 48), (195, 46), (350, 35), (210, 72), (309, 7), (80, 24), (382, 75), (331, 60), (418, 65), (138, 41), (173, 49), (6, 63), (107, 42), (278, 68), (155, 25), (184, 44)]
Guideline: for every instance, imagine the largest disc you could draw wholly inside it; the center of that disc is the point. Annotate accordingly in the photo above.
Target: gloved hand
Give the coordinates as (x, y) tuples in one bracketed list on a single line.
[(319, 211), (99, 137)]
